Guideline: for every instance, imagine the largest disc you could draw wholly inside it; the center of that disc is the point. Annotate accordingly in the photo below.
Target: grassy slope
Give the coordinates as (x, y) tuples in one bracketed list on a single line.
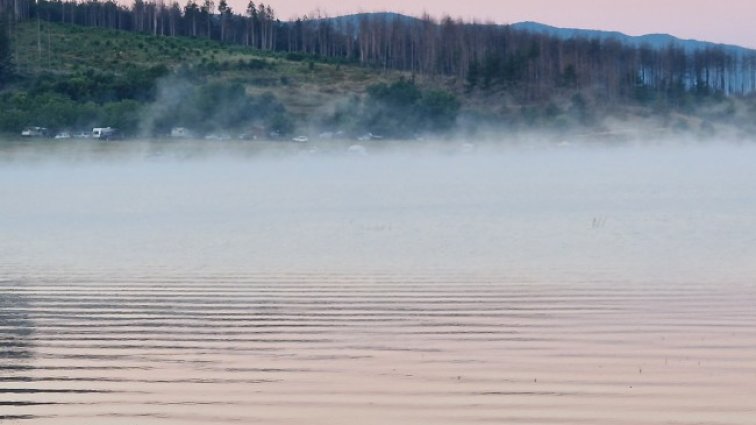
[(308, 92), (303, 90)]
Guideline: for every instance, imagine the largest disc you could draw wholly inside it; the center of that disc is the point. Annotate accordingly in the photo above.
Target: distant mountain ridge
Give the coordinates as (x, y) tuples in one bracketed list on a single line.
[(655, 41)]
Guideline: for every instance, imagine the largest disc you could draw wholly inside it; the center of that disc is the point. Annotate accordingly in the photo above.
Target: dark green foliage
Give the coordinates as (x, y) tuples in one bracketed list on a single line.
[(473, 74), (6, 56), (281, 123), (58, 112), (581, 111), (241, 65), (255, 64), (99, 77), (439, 110), (128, 99), (95, 86), (495, 55), (392, 109), (125, 115), (509, 71), (312, 58), (295, 56), (643, 93), (401, 95), (401, 109), (569, 78), (216, 107)]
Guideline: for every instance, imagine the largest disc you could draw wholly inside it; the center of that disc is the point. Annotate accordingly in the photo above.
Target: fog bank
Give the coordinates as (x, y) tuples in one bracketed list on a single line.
[(650, 214)]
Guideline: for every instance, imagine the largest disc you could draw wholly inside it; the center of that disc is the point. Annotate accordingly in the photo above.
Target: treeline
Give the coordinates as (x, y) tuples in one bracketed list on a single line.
[(256, 26), (80, 100), (400, 110), (6, 57), (214, 108), (531, 65)]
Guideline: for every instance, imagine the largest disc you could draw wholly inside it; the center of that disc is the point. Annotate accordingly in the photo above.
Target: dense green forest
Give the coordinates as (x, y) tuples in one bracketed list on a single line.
[(147, 85), (492, 54), (150, 67)]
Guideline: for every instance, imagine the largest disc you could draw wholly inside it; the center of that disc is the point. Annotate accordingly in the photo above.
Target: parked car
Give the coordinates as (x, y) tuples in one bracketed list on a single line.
[(368, 137), (34, 132)]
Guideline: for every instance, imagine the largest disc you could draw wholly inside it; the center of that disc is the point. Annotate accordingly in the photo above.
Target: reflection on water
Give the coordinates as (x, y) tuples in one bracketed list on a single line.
[(15, 328), (378, 348), (590, 287), (16, 348)]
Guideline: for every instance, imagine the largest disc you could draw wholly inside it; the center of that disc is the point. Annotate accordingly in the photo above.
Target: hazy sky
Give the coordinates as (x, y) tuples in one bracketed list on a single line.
[(728, 21)]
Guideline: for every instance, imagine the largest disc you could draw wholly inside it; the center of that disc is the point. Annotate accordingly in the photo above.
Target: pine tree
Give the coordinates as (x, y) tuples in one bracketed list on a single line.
[(223, 10), (6, 54), (473, 74)]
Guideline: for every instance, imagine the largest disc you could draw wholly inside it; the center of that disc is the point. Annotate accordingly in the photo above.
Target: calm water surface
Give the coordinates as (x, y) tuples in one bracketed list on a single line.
[(569, 286)]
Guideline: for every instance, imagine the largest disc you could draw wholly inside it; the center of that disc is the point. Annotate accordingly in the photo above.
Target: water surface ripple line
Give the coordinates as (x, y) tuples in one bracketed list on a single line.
[(327, 348)]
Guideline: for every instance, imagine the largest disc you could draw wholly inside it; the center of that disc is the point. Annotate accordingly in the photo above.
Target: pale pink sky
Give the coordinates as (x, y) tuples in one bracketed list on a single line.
[(727, 21)]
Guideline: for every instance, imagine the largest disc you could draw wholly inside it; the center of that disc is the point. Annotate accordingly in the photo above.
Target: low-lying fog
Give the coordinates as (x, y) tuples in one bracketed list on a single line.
[(681, 214)]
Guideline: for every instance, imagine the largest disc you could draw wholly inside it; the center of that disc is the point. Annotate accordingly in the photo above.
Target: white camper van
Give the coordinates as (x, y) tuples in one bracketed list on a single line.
[(104, 133)]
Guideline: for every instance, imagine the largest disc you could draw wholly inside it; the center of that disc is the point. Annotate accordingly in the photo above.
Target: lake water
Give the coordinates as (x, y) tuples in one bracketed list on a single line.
[(161, 284)]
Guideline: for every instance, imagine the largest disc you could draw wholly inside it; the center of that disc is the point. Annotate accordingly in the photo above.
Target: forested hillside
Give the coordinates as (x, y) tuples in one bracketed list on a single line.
[(151, 66), (535, 62), (146, 85)]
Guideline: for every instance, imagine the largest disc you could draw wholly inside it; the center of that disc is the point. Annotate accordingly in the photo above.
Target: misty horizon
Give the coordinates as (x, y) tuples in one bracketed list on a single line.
[(383, 220), (722, 22), (210, 214)]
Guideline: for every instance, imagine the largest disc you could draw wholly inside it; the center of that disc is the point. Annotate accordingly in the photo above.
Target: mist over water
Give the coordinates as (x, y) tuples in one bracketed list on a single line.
[(663, 213), (447, 284)]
